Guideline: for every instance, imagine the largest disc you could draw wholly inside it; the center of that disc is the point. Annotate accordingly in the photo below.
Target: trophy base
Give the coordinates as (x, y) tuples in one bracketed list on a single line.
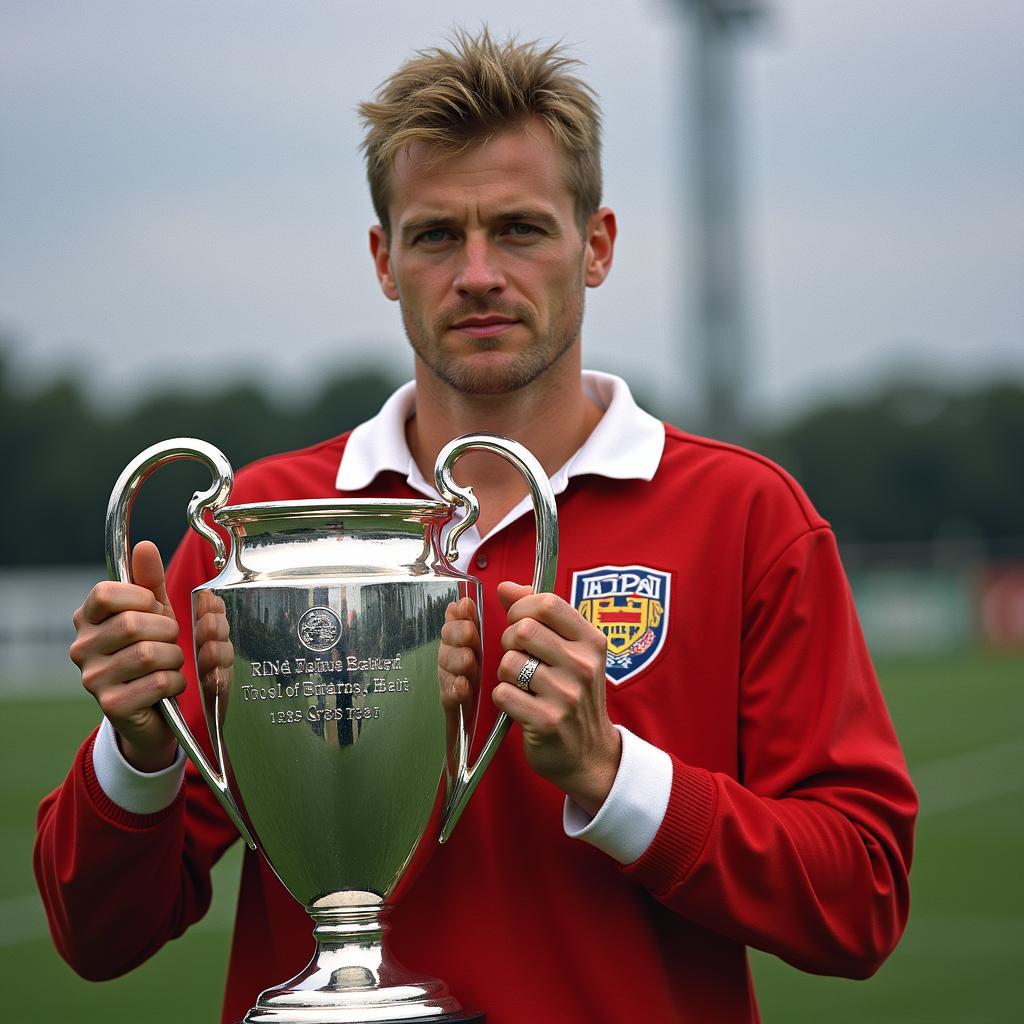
[(353, 979)]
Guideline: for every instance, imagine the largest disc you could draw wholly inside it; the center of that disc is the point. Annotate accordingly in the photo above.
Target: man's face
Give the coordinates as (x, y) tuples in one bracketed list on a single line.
[(487, 261)]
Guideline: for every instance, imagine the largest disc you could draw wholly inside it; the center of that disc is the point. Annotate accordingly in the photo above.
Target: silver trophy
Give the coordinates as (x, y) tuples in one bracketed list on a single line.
[(317, 656)]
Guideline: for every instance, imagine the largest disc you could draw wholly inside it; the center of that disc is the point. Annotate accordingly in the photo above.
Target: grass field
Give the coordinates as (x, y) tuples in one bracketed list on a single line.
[(960, 721)]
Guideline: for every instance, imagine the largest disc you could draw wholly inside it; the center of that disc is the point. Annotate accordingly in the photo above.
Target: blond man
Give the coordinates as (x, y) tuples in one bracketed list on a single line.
[(702, 761)]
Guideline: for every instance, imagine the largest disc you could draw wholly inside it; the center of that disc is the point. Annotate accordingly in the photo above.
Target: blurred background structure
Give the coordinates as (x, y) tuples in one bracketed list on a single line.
[(719, 335), (830, 270)]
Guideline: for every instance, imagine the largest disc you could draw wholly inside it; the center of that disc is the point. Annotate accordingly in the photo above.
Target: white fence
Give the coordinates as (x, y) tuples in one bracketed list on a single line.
[(904, 610), (36, 605)]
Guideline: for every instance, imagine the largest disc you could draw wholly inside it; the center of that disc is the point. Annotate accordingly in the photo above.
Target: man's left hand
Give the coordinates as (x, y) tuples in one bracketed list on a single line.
[(567, 735)]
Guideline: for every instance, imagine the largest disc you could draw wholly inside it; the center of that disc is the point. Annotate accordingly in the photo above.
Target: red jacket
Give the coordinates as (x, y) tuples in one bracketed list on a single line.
[(789, 826)]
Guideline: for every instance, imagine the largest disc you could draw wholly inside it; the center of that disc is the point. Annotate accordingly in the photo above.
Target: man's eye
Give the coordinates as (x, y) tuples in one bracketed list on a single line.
[(434, 235), (520, 230)]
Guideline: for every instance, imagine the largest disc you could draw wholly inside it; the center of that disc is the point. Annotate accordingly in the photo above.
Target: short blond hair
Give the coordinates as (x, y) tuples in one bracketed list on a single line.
[(452, 99)]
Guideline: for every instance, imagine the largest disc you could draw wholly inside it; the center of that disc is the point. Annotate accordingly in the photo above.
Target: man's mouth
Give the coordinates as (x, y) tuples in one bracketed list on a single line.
[(484, 326)]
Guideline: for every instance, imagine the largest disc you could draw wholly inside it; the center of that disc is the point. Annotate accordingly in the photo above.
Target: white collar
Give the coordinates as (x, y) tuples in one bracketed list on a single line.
[(626, 444)]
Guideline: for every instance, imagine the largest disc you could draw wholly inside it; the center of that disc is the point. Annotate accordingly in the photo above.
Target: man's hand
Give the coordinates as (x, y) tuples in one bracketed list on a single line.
[(567, 735), (459, 657), (126, 649)]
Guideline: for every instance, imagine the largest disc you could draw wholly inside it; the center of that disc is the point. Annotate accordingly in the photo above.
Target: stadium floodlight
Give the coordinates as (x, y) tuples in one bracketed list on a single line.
[(731, 9), (721, 342)]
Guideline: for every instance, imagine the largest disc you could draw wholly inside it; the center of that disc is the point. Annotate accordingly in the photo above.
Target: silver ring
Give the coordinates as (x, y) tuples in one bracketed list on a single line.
[(526, 673)]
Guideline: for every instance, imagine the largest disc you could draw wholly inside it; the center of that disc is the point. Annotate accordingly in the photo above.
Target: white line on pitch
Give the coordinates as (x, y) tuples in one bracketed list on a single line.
[(965, 779)]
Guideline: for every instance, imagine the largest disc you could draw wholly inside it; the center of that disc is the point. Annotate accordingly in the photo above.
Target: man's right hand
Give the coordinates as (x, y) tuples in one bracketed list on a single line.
[(126, 649)]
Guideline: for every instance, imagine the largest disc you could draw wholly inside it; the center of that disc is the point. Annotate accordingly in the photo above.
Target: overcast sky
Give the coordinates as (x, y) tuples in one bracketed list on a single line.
[(182, 196)]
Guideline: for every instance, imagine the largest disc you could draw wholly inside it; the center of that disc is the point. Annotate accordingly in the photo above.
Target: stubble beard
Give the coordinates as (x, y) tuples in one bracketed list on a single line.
[(521, 368)]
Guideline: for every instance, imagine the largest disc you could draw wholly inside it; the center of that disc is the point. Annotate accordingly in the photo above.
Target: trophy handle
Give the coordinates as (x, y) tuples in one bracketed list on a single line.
[(119, 568), (544, 569)]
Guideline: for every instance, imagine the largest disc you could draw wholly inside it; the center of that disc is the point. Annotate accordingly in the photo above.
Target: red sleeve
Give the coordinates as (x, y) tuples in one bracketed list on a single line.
[(116, 885), (806, 855)]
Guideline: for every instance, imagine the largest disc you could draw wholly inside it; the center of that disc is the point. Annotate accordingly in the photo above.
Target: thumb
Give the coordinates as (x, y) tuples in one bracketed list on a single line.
[(148, 572), (509, 593)]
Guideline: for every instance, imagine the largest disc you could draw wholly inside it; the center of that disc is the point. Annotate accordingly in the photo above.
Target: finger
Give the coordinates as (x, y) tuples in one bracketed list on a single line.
[(524, 708), (533, 637), (212, 626), (464, 608), (122, 704), (512, 664), (132, 663), (208, 603), (460, 633), (509, 593), (454, 689), (111, 597), (123, 630), (459, 661), (555, 613), (214, 654), (148, 571)]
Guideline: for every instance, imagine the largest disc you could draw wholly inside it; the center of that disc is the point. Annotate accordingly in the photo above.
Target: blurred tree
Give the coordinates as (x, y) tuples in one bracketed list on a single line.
[(61, 455), (913, 463)]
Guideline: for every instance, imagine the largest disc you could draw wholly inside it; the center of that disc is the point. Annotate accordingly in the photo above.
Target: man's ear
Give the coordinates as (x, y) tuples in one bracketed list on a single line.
[(600, 246), (380, 251)]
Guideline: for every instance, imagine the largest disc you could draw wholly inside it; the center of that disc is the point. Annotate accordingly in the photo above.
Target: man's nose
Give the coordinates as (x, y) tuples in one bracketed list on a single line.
[(479, 273)]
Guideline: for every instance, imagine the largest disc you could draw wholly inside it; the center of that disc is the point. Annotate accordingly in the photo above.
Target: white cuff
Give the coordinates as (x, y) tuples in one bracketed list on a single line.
[(132, 790), (631, 815)]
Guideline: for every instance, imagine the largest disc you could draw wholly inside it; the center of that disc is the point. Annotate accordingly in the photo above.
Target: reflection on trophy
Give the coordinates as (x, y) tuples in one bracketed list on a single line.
[(317, 646)]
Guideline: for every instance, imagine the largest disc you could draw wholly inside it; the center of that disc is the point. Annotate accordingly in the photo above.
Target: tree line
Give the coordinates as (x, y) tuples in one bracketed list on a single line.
[(914, 463), (62, 452), (910, 463)]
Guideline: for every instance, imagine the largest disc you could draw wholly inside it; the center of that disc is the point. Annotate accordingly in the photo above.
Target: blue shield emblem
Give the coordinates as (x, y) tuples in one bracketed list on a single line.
[(629, 604)]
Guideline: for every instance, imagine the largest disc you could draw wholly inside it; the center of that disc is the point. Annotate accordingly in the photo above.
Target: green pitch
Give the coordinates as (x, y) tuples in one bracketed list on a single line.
[(960, 723)]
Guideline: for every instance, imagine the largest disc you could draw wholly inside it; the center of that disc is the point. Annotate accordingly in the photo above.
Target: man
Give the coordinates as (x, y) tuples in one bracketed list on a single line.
[(703, 759)]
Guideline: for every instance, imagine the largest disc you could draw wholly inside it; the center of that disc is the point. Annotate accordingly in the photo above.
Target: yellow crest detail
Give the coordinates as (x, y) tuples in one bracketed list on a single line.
[(623, 620)]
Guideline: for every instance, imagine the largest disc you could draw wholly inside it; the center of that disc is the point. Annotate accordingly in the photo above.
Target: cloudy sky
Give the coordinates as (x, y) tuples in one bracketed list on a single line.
[(182, 197)]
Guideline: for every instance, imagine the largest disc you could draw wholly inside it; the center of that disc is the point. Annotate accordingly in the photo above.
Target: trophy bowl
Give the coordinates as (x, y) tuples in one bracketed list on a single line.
[(339, 752)]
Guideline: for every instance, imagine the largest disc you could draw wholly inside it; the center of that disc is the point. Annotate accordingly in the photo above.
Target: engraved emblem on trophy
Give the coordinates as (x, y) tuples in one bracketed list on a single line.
[(319, 629), (333, 613)]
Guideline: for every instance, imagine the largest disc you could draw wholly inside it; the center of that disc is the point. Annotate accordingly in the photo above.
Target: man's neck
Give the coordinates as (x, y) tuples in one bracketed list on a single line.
[(552, 417)]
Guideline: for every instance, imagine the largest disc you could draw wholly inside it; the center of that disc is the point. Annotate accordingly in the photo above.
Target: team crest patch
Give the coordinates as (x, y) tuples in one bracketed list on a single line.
[(629, 604)]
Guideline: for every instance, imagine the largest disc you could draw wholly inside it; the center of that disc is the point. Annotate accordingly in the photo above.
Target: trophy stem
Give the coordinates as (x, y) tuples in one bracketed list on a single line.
[(353, 979)]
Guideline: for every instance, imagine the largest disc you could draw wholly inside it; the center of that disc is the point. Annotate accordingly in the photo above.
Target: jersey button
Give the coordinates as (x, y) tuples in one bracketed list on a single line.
[(481, 561)]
